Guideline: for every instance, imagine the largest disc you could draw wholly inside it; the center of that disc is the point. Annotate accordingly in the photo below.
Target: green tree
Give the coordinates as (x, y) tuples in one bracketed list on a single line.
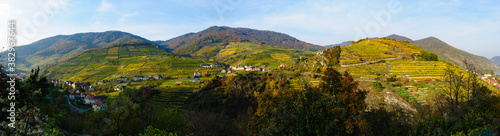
[(333, 108), (332, 55)]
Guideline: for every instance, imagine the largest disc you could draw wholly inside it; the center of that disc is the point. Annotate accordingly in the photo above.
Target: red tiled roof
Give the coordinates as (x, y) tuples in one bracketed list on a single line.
[(94, 97), (99, 103)]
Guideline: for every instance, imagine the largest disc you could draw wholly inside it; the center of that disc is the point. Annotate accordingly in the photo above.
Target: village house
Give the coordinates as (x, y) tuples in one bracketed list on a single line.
[(74, 85), (492, 81), (88, 88), (282, 66), (99, 106), (215, 65), (223, 71), (196, 74), (487, 75), (156, 77), (252, 68), (120, 87), (205, 65), (178, 83), (239, 68), (72, 96), (204, 73), (141, 78), (90, 99), (100, 82)]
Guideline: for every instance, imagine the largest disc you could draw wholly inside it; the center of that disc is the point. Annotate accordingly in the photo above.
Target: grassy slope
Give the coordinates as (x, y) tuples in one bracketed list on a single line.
[(454, 55), (127, 60)]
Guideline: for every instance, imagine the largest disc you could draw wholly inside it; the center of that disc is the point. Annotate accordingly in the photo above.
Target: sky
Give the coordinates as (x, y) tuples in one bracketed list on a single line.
[(473, 26)]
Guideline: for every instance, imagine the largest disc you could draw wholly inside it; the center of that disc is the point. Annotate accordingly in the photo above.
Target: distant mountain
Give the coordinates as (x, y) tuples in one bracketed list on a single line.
[(218, 35), (496, 60), (345, 43), (52, 49), (454, 55), (399, 38)]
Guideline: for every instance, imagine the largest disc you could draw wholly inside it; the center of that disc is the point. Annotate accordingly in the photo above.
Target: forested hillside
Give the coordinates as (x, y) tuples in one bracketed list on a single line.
[(215, 35), (50, 50)]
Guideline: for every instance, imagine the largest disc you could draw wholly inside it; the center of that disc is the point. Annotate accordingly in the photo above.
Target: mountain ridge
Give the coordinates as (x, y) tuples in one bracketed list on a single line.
[(399, 38), (496, 60), (454, 55), (224, 34), (51, 49)]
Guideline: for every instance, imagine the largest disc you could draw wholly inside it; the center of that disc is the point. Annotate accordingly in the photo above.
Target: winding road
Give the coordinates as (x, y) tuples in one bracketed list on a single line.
[(75, 108)]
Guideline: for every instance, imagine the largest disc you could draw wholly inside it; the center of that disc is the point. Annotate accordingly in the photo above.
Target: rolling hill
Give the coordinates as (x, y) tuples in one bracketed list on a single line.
[(50, 50), (145, 58), (454, 55), (251, 53), (219, 35), (124, 59)]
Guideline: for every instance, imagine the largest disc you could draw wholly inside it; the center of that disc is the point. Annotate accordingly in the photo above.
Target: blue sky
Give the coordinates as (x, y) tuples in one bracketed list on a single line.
[(473, 26)]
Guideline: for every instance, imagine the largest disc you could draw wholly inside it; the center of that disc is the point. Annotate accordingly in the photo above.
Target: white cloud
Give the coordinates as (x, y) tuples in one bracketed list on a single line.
[(126, 16), (105, 6)]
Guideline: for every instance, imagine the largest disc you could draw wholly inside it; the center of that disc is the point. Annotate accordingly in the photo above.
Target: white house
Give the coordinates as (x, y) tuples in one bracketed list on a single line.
[(90, 99), (141, 77), (197, 74), (99, 105), (156, 77), (119, 87)]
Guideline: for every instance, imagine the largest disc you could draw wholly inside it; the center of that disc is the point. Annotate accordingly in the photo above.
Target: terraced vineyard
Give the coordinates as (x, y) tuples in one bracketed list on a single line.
[(414, 70), (127, 60), (418, 69), (249, 53), (377, 49), (170, 99)]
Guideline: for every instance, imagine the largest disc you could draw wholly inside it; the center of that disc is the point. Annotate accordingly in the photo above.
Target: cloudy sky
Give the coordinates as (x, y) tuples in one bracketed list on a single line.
[(473, 26)]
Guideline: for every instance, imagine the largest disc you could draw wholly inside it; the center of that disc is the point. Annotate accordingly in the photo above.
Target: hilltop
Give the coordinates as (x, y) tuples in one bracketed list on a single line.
[(219, 35), (52, 49), (454, 55), (399, 38), (345, 43)]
